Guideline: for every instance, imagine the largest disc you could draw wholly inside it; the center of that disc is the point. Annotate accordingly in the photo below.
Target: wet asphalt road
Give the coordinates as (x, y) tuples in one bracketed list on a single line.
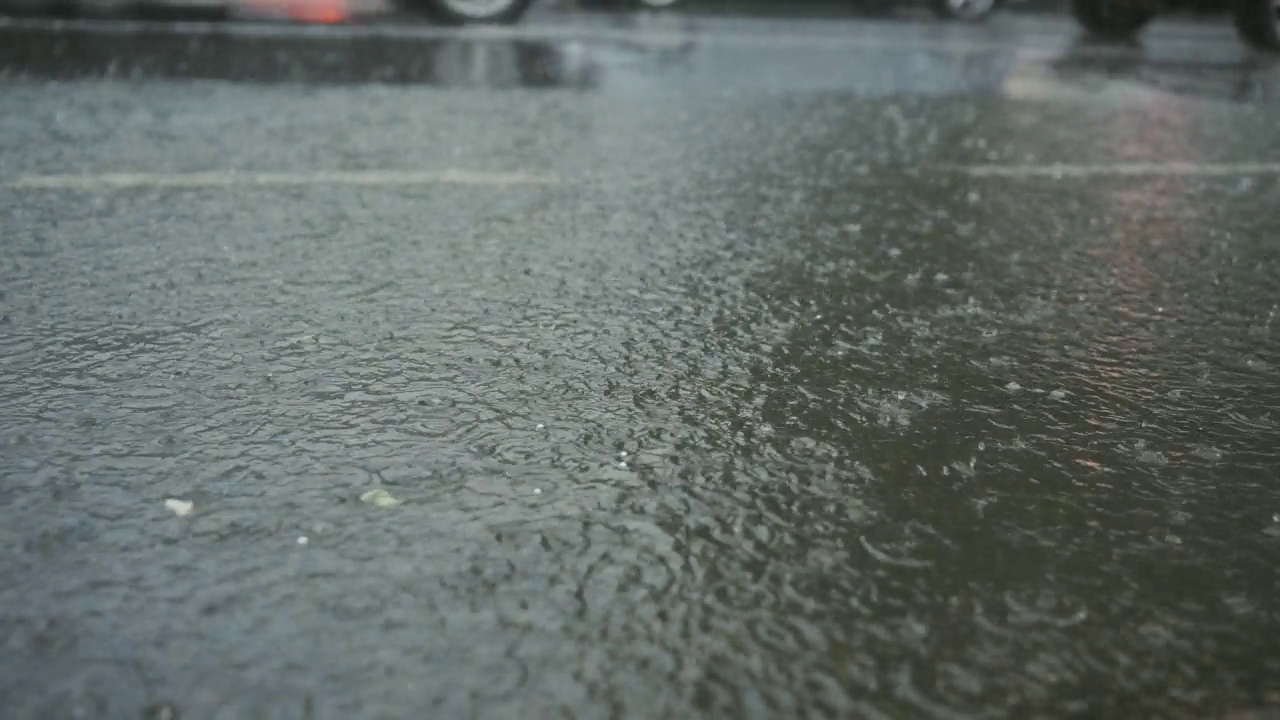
[(723, 368)]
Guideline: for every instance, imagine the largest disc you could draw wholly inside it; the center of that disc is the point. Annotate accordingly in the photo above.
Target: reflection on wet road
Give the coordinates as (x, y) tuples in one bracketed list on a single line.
[(693, 55), (694, 388)]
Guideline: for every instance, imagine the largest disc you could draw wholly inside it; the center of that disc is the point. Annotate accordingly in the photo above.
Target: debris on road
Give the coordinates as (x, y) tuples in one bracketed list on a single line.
[(379, 498)]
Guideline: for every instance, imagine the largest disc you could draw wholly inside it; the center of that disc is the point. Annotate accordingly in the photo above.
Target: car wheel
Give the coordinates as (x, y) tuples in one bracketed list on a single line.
[(1258, 22), (970, 10), (460, 12), (1112, 18)]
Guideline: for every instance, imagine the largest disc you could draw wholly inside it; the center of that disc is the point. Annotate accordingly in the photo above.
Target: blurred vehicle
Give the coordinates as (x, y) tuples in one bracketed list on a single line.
[(1257, 21), (471, 11), (965, 9), (308, 11), (970, 10), (169, 9)]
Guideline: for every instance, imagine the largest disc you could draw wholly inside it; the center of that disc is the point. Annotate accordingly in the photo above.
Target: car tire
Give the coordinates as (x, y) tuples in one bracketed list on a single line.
[(1115, 19), (1258, 22), (466, 12), (966, 10)]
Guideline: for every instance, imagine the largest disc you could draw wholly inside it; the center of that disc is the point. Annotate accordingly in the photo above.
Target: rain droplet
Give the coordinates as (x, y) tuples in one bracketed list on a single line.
[(1153, 457), (160, 711), (1207, 453)]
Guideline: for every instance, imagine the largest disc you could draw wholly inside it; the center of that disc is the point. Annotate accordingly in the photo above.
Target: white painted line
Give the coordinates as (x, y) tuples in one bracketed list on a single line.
[(394, 178), (1155, 169), (359, 178)]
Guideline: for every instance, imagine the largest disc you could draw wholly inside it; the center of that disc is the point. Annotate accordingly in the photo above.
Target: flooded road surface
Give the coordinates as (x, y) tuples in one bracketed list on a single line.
[(929, 378)]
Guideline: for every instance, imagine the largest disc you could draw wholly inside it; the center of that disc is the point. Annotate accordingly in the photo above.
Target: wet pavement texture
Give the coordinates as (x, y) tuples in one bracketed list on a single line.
[(848, 369)]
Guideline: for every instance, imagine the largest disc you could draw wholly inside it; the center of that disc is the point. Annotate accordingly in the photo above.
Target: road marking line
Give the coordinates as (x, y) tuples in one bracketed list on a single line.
[(1061, 170), (393, 178), (366, 178)]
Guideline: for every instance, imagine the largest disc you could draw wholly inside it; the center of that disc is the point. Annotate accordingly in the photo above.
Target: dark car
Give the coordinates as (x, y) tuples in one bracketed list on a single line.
[(449, 11), (1257, 21), (950, 9)]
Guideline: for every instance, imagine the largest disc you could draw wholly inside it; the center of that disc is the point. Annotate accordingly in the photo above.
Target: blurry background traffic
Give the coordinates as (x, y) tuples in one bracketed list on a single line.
[(1256, 21)]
